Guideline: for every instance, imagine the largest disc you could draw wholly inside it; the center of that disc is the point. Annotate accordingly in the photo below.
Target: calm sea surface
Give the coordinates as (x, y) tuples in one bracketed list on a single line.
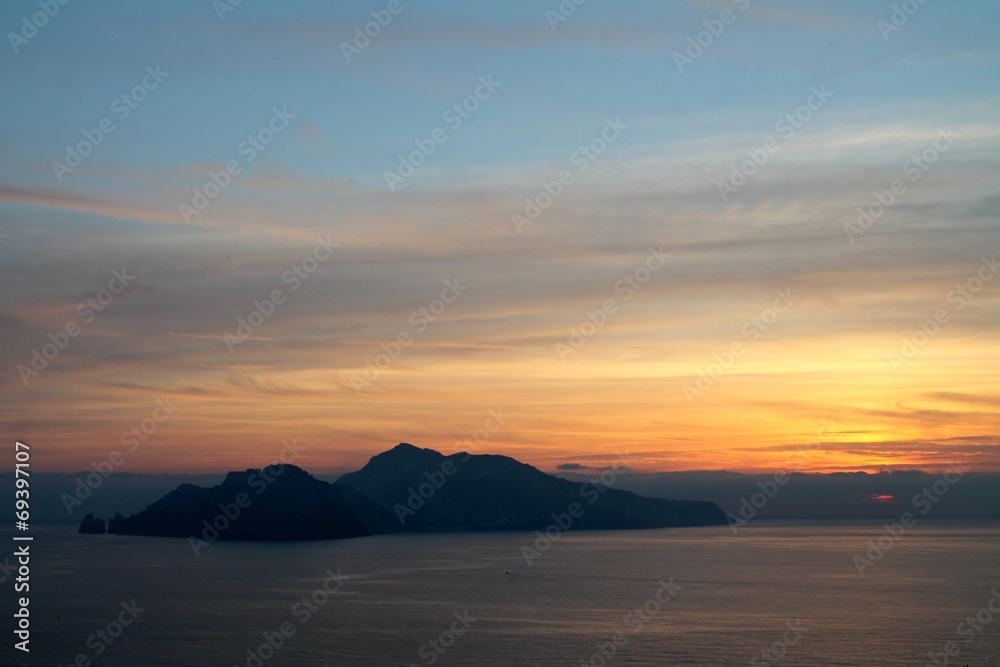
[(731, 598)]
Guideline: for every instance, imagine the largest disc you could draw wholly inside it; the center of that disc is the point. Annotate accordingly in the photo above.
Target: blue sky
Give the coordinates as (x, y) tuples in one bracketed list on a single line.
[(226, 75)]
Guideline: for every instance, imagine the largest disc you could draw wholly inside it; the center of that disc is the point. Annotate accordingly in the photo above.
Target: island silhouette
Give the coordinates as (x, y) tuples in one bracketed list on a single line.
[(405, 489)]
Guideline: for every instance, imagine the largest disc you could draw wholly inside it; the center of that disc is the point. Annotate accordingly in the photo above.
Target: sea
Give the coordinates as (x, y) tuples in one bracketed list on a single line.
[(794, 594)]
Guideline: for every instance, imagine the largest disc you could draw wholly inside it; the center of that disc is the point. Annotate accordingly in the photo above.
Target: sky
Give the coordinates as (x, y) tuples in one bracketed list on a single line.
[(702, 235)]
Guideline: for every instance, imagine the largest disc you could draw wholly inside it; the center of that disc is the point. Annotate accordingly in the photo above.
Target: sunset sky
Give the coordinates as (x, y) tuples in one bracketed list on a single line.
[(818, 330)]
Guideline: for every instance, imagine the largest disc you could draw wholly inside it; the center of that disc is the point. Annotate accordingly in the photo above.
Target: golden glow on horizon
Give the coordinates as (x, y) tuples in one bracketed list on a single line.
[(767, 413)]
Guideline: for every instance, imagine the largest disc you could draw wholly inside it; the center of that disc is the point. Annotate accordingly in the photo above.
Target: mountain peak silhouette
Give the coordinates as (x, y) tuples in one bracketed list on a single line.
[(406, 488), (429, 491)]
